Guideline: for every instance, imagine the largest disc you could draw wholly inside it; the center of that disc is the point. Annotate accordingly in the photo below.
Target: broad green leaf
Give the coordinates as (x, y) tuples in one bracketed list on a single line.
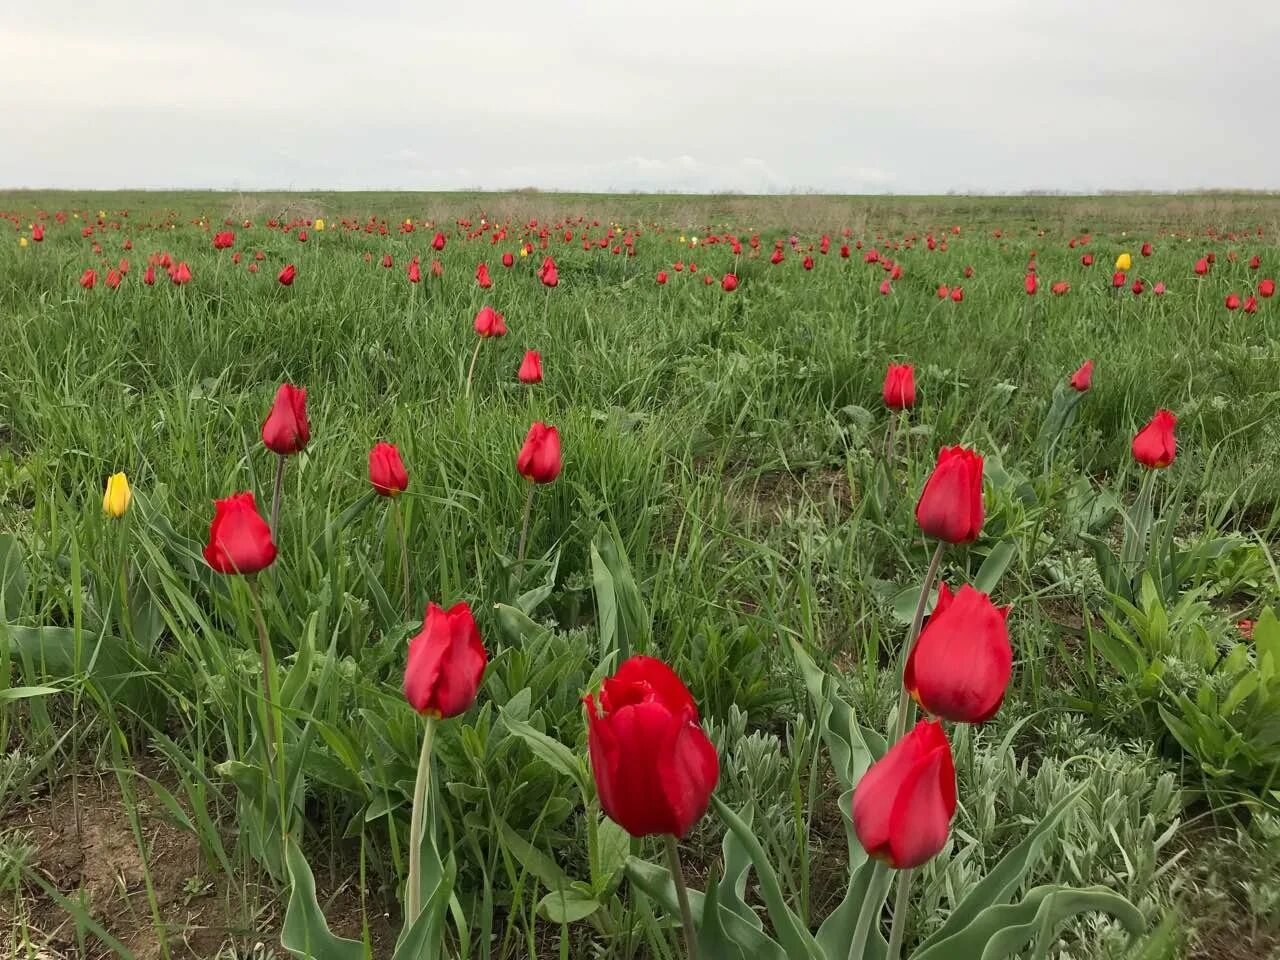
[(425, 938), (567, 907), (550, 750), (614, 845), (25, 693), (13, 576), (540, 864), (621, 616), (306, 933), (836, 933), (994, 566)]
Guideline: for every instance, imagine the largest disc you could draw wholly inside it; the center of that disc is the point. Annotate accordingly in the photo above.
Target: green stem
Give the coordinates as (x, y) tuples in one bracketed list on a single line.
[(682, 895), (899, 927), (926, 588), (872, 904), (524, 527), (274, 745), (275, 499), (417, 824), (475, 355), (404, 551)]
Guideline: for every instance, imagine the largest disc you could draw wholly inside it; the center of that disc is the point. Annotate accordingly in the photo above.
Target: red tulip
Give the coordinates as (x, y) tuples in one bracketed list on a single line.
[(661, 278), (490, 323), (1267, 288), (89, 278), (286, 430), (1233, 301), (539, 458), (1158, 289), (1059, 288), (181, 273), (482, 276), (437, 268), (1255, 262), (959, 668), (903, 805), (149, 276), (885, 288), (414, 271), (957, 294), (1118, 279), (113, 279), (530, 368), (446, 663), (950, 505), (1030, 283), (943, 292), (239, 539), (654, 768), (844, 251), (1087, 260), (1202, 266), (729, 283), (508, 259), (899, 390), (549, 275), (1251, 304), (1146, 250), (388, 261), (1082, 379), (287, 275), (302, 236), (968, 273), (386, 470), (1137, 287), (807, 263), (223, 240), (776, 258), (438, 241), (1155, 445), (37, 233)]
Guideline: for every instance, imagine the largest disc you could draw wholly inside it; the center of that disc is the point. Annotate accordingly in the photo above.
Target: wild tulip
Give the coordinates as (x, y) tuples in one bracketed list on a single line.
[(950, 505), (239, 539), (37, 233), (807, 263), (1250, 304), (776, 257), (899, 391), (1155, 445), (885, 288), (113, 279), (943, 292), (960, 666), (116, 499), (490, 323), (1202, 266), (1255, 262), (1138, 287), (1267, 288), (957, 294), (1086, 260), (1124, 262), (844, 251), (388, 261), (286, 430), (149, 276), (288, 273), (968, 273), (446, 663), (903, 805), (181, 274), (482, 276), (1158, 289), (1030, 283), (661, 278), (437, 268), (729, 283), (539, 457), (386, 470), (508, 260), (89, 278), (1082, 379), (1146, 250), (1059, 288), (654, 767), (1233, 301), (549, 274), (1118, 280), (530, 368), (414, 271)]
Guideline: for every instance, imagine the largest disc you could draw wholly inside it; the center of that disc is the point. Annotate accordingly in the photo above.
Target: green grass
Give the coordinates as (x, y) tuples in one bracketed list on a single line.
[(731, 443)]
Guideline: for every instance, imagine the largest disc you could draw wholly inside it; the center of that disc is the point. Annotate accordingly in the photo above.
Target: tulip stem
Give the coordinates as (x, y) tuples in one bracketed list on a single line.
[(404, 551), (475, 355), (889, 445), (413, 898), (682, 895), (275, 498), (274, 747), (872, 904), (898, 928), (524, 526), (926, 589)]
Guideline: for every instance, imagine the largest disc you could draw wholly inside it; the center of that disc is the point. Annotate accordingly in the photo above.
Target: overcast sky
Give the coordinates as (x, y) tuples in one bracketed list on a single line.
[(903, 96)]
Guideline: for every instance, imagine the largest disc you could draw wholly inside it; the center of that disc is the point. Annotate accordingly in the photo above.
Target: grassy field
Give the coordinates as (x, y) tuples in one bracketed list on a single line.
[(725, 502)]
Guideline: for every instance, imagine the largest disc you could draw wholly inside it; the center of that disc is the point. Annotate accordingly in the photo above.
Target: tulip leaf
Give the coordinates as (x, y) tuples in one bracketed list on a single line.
[(998, 885), (656, 883), (836, 932), (737, 863), (549, 750), (105, 659), (306, 933), (567, 907), (424, 938), (25, 693), (13, 576), (614, 845), (1003, 930), (797, 940), (713, 939), (994, 566), (540, 864), (621, 616), (516, 625)]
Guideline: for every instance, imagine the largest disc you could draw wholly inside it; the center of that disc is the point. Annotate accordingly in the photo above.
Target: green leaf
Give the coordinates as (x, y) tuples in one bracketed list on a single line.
[(560, 907), (425, 938), (998, 885), (614, 845), (621, 616), (540, 864), (1003, 930), (836, 933), (25, 693), (516, 625), (106, 660), (792, 934), (549, 750), (994, 566), (13, 576), (306, 933)]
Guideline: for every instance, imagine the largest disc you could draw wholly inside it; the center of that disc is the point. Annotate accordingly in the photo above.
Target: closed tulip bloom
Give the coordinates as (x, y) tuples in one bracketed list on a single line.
[(950, 506), (1031, 284), (149, 276), (943, 292), (386, 470), (1202, 266), (1233, 301), (1059, 288), (1124, 262), (654, 768), (1086, 260), (549, 275), (1158, 289), (239, 539), (1155, 445), (1082, 379), (776, 257), (661, 278), (1267, 288), (1146, 250), (489, 323), (903, 805), (960, 666), (1250, 304), (181, 274), (900, 387), (437, 242), (885, 288), (286, 430), (539, 458), (1255, 262), (89, 278), (446, 663), (1138, 287), (482, 276), (957, 294), (530, 368), (115, 501), (729, 283), (113, 279), (37, 233), (414, 271), (287, 275), (1118, 280), (508, 259)]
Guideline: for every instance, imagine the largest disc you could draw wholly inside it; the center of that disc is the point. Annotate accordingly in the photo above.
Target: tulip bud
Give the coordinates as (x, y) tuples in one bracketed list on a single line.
[(539, 458), (115, 502), (950, 505), (446, 663), (1155, 446), (959, 668)]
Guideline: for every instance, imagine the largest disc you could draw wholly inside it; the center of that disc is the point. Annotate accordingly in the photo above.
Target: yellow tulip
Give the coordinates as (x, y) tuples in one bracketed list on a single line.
[(524, 252), (319, 224), (116, 500), (1124, 262), (22, 241)]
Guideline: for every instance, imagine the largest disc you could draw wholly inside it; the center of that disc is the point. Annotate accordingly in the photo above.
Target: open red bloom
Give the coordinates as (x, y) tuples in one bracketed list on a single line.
[(1059, 288), (446, 663), (223, 239), (960, 666), (239, 539), (549, 274), (89, 278), (903, 805), (1082, 379), (530, 368), (386, 470), (950, 505), (1155, 446), (489, 323), (286, 430), (654, 768), (899, 390)]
